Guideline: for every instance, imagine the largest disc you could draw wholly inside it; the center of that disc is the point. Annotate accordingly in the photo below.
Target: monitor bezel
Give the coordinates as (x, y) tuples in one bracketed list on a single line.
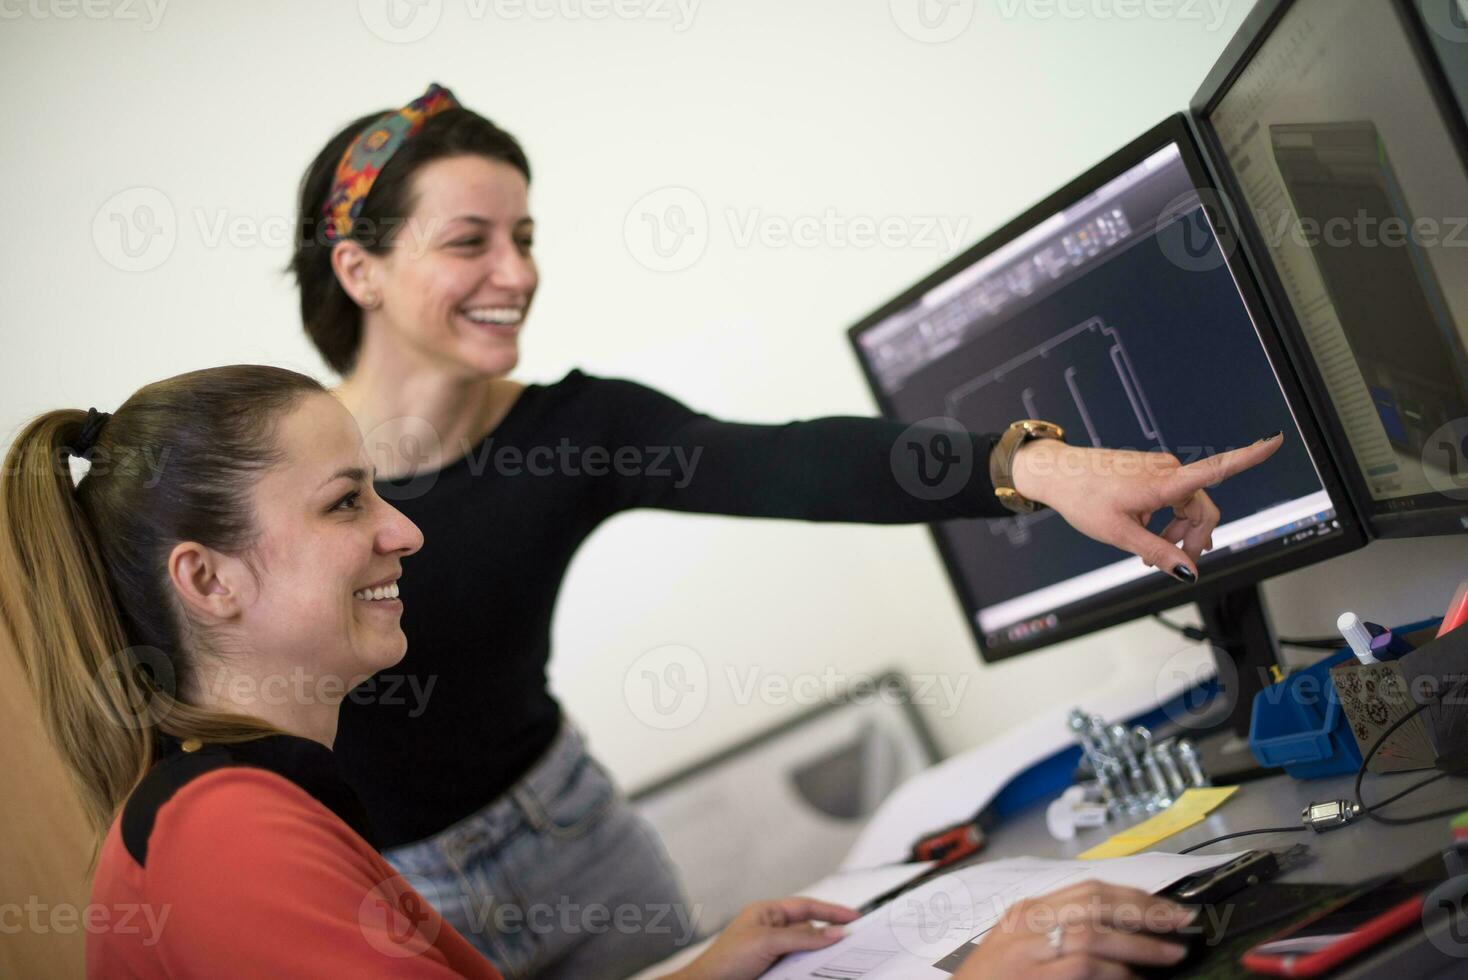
[(1168, 593), (1378, 521)]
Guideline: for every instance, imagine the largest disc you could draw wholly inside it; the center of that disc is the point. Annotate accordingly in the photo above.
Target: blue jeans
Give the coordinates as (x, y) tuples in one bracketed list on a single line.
[(558, 878)]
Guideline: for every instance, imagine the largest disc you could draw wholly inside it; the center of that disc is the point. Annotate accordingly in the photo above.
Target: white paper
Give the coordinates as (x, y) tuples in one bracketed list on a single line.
[(850, 888), (855, 888), (958, 787), (906, 937)]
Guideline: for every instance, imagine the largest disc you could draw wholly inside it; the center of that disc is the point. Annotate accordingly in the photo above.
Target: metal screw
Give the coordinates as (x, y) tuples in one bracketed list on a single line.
[(1187, 754), (1161, 796), (1166, 753), (1139, 799)]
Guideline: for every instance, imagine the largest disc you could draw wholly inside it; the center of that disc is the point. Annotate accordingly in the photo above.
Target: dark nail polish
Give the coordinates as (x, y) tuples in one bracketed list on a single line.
[(1185, 573), (1273, 435)]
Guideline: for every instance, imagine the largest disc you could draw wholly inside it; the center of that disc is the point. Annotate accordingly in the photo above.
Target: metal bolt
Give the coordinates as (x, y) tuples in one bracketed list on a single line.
[(1080, 724), (1161, 795), (1139, 799), (1113, 787), (1166, 753), (1192, 765)]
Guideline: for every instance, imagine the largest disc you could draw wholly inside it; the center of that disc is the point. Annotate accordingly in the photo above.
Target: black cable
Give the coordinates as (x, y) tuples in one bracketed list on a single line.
[(1314, 643), (1191, 632), (1397, 796), (1370, 811), (1375, 806), (1244, 833), (1203, 636)]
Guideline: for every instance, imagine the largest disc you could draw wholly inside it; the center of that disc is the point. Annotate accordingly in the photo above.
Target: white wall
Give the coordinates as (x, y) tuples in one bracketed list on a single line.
[(765, 109)]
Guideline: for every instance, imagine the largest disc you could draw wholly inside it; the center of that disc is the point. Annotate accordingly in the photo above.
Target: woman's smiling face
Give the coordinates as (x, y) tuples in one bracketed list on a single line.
[(328, 553), (457, 283)]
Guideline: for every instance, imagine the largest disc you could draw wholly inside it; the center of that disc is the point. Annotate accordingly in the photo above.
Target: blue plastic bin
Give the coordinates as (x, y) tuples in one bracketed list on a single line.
[(1298, 724)]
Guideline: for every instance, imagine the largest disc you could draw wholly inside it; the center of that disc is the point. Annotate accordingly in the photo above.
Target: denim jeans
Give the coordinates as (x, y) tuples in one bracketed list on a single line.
[(558, 878)]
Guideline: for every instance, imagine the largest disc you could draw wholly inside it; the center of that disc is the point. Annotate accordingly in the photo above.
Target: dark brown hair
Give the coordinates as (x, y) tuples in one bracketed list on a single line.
[(332, 320), (84, 584)]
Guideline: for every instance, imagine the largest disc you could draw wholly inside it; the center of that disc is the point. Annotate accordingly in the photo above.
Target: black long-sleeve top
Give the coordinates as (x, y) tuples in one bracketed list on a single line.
[(467, 712)]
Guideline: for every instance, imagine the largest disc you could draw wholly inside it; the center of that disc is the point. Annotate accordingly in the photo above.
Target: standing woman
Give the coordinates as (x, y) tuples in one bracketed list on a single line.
[(416, 276)]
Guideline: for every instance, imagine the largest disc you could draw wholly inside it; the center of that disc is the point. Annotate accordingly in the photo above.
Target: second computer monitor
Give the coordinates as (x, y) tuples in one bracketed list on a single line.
[(1338, 134), (1109, 309)]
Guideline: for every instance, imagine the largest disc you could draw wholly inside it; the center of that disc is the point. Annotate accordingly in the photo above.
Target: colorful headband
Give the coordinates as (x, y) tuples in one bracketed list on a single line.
[(369, 152)]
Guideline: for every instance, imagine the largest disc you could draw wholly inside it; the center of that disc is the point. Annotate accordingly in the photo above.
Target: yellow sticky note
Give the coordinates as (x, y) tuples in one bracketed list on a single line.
[(1192, 806)]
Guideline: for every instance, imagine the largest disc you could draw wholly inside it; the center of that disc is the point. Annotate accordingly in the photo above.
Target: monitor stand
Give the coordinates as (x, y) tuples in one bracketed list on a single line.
[(1244, 651)]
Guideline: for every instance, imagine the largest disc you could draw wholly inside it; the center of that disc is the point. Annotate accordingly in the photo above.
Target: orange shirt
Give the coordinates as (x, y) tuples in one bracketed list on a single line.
[(236, 870)]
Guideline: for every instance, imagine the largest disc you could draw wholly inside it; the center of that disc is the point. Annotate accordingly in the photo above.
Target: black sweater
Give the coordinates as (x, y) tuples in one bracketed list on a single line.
[(502, 523)]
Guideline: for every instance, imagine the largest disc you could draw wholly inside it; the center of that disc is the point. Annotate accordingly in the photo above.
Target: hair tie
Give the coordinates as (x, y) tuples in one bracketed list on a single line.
[(370, 151), (91, 430)]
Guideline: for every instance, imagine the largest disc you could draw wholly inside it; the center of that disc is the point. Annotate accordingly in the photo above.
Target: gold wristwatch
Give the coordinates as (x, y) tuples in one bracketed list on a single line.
[(1001, 461)]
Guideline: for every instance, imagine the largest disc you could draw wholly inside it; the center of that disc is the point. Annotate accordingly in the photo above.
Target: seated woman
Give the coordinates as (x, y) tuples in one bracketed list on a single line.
[(191, 614)]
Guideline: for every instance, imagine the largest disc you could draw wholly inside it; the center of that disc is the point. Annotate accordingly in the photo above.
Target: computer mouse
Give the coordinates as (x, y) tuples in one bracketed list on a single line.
[(1197, 936)]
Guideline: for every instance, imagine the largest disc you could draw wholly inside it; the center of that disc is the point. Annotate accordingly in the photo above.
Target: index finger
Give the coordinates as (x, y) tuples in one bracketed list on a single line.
[(1213, 470), (799, 908)]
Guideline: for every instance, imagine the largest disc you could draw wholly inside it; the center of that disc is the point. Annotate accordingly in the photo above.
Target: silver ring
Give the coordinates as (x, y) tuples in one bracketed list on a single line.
[(1055, 939)]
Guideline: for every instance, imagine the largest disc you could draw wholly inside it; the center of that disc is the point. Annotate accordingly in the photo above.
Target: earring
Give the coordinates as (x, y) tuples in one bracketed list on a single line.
[(369, 300)]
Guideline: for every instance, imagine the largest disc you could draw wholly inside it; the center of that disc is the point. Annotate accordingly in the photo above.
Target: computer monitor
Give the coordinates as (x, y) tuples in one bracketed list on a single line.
[(1340, 145), (1110, 308)]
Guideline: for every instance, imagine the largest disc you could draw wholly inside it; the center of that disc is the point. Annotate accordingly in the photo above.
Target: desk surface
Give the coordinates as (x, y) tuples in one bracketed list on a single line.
[(1361, 850)]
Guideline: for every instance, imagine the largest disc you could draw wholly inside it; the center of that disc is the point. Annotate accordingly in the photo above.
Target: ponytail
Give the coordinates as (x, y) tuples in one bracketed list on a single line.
[(60, 610)]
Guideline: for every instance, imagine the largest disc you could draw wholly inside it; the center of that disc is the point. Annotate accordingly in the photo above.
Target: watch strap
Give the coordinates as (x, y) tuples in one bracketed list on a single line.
[(1001, 461)]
